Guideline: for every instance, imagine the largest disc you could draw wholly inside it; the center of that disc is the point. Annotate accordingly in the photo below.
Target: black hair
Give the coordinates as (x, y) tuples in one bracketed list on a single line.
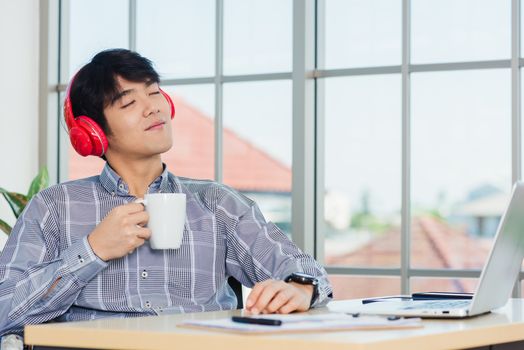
[(95, 85)]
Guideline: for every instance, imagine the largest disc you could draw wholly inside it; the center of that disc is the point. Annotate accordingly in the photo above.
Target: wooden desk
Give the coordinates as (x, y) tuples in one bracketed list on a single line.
[(505, 325)]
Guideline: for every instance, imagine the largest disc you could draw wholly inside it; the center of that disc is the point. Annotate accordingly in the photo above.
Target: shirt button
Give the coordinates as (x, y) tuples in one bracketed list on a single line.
[(148, 304), (144, 274), (121, 186), (80, 259)]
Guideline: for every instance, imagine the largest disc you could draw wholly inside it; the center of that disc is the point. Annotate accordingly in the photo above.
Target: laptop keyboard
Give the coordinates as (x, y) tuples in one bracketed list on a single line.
[(439, 304)]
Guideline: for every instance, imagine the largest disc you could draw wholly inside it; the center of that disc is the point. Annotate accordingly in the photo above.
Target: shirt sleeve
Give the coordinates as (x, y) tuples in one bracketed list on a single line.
[(38, 281), (258, 250)]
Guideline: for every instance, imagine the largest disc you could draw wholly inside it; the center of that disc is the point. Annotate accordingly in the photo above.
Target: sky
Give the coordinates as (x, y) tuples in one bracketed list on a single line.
[(460, 122)]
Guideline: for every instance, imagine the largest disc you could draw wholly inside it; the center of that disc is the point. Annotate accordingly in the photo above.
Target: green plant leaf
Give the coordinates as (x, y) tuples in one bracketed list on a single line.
[(5, 227), (17, 201), (40, 182)]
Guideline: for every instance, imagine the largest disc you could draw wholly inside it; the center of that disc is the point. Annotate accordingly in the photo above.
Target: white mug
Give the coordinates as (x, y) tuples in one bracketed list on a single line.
[(167, 216)]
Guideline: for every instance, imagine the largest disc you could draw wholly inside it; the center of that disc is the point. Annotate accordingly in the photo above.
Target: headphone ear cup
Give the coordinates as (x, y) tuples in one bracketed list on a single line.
[(94, 136), (80, 141), (87, 137), (170, 101), (79, 138)]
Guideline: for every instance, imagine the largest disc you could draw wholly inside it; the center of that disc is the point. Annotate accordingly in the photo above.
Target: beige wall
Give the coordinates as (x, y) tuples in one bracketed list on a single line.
[(19, 22)]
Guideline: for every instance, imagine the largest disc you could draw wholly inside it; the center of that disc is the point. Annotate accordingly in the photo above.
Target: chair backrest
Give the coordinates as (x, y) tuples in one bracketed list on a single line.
[(237, 288)]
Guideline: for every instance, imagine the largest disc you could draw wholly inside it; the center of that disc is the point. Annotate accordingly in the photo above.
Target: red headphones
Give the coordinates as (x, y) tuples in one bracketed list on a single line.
[(87, 137)]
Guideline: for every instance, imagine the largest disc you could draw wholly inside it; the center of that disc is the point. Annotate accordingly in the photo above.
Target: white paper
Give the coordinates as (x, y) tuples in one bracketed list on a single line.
[(304, 322)]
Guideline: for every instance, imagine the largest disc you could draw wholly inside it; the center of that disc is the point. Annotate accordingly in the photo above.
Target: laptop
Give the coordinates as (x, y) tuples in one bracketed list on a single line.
[(496, 281)]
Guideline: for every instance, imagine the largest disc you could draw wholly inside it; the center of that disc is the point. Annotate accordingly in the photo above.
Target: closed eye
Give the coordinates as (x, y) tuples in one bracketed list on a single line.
[(128, 104), (154, 93)]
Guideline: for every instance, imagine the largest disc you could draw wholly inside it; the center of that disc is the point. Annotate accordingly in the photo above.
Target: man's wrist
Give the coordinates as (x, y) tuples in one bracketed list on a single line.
[(81, 261), (94, 248), (307, 288), (304, 279)]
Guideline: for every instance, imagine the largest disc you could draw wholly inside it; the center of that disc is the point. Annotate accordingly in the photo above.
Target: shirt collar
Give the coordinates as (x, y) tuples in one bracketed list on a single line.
[(114, 184)]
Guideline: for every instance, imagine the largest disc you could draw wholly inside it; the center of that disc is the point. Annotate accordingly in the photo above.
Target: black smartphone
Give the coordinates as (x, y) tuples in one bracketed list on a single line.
[(440, 295)]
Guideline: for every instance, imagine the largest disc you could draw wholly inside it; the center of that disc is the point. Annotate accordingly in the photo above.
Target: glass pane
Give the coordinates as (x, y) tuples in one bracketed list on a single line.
[(178, 36), (461, 165), (257, 36), (95, 25), (362, 170), (458, 285), (257, 141), (193, 151), (354, 287), (466, 30), (362, 33)]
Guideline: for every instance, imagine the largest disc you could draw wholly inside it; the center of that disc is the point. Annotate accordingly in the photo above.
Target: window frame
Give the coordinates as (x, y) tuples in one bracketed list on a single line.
[(308, 119)]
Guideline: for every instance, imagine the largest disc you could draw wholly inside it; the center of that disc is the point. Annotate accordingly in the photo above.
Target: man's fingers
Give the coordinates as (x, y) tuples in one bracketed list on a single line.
[(255, 293), (278, 301), (292, 305), (140, 218), (143, 233), (139, 241), (131, 208), (267, 295), (131, 221)]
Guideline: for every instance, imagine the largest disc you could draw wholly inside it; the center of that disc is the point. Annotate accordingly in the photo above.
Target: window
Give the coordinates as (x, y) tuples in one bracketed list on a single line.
[(257, 36), (363, 287), (461, 165), (419, 153), (459, 31), (361, 33), (257, 145), (178, 36), (193, 151), (88, 24), (199, 58), (362, 170), (415, 110)]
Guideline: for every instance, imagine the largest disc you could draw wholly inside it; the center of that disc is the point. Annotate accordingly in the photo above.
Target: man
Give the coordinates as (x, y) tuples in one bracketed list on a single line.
[(80, 250)]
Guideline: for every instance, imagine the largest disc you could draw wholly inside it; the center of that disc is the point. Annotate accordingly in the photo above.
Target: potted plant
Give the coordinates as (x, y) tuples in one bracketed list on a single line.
[(18, 201)]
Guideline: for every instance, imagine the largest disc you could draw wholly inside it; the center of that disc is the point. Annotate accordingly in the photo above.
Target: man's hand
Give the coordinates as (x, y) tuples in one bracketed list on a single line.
[(121, 232), (272, 296)]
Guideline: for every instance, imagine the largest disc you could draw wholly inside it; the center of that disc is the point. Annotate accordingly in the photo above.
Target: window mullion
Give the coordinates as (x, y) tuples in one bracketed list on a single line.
[(219, 95), (303, 166), (405, 243)]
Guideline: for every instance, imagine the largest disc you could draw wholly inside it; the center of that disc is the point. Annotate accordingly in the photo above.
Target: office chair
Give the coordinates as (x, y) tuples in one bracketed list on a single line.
[(237, 288)]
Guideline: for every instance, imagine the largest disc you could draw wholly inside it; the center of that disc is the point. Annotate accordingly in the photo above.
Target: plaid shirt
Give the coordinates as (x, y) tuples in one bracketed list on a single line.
[(225, 235)]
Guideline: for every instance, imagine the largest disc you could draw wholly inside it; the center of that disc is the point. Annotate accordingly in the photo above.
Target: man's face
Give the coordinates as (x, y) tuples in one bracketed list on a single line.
[(139, 121)]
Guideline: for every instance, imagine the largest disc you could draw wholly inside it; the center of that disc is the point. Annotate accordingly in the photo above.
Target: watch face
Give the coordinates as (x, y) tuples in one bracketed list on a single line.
[(303, 278)]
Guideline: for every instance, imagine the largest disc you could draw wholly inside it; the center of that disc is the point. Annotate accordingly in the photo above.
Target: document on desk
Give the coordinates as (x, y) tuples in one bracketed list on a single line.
[(306, 323)]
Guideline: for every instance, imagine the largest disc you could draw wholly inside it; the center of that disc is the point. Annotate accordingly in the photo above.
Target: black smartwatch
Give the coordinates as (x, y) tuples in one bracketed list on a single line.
[(304, 278)]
